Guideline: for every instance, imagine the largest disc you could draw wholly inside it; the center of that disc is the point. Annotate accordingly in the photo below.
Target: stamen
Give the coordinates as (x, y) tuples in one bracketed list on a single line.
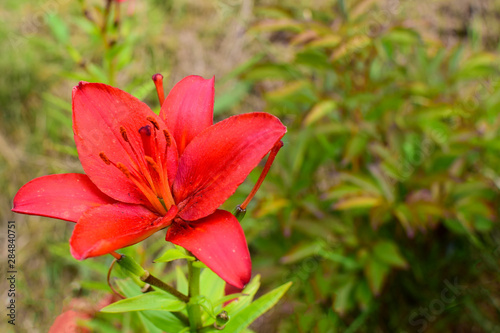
[(148, 192), (141, 175), (104, 158), (150, 145), (153, 121), (123, 169), (138, 163), (158, 80), (167, 138), (153, 164), (123, 132), (277, 146)]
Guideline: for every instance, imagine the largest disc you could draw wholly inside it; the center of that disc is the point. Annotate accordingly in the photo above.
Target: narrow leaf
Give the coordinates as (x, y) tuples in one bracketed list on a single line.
[(155, 300), (241, 321), (173, 254)]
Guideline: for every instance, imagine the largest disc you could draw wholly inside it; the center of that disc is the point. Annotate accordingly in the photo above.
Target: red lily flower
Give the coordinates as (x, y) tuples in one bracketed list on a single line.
[(145, 172)]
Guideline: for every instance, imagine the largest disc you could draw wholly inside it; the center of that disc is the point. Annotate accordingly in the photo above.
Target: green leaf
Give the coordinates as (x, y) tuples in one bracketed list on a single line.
[(358, 202), (402, 36), (483, 224), (363, 294), (58, 27), (376, 272), (455, 226), (355, 147), (278, 25), (343, 300), (272, 72), (205, 303), (319, 111), (243, 319), (249, 292), (199, 264), (156, 300), (313, 59), (232, 97), (353, 45), (348, 262), (301, 251), (211, 285), (388, 252), (326, 41), (173, 254), (164, 320), (227, 298), (182, 283), (293, 94)]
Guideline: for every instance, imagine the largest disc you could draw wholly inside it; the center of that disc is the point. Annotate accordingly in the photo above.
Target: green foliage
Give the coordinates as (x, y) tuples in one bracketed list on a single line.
[(151, 301), (387, 174)]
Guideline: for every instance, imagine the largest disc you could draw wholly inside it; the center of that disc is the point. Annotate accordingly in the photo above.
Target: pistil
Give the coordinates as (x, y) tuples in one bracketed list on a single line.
[(277, 146), (158, 80)]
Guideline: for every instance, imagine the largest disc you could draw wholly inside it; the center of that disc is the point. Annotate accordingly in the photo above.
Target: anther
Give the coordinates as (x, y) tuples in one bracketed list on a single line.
[(123, 169), (153, 164), (167, 138), (123, 132), (104, 158), (153, 121)]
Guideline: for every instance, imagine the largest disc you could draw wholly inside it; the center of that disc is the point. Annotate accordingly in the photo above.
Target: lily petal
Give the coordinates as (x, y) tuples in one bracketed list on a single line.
[(101, 116), (188, 109), (219, 159), (65, 197), (108, 228), (68, 322), (219, 242)]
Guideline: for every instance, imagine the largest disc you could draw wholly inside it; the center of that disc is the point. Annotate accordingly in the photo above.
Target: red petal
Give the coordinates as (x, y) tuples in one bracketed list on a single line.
[(108, 228), (219, 242), (65, 196), (218, 160), (100, 112), (67, 322), (228, 290), (188, 109)]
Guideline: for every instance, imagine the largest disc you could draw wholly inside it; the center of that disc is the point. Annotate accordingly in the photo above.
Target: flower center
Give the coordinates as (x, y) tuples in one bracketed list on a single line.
[(146, 169)]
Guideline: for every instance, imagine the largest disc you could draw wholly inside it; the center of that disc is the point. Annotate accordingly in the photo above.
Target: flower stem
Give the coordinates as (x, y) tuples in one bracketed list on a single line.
[(194, 310), (131, 266), (148, 278)]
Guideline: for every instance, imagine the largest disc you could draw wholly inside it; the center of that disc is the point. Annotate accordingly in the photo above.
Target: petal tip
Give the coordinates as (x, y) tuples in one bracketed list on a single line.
[(75, 254), (80, 85)]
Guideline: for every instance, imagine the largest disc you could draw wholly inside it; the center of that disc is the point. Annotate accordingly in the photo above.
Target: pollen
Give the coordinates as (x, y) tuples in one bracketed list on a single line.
[(123, 169), (153, 164), (167, 138), (154, 122), (123, 132), (104, 158)]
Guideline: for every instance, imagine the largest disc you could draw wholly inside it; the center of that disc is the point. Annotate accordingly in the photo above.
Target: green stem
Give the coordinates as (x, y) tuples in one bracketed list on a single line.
[(148, 278), (194, 310), (129, 264)]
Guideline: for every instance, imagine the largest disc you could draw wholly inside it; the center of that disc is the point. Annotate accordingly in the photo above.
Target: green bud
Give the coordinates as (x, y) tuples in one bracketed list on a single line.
[(221, 320), (239, 213), (129, 265)]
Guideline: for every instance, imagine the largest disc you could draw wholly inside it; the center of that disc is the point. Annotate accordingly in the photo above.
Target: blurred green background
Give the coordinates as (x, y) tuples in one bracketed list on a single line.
[(383, 205)]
